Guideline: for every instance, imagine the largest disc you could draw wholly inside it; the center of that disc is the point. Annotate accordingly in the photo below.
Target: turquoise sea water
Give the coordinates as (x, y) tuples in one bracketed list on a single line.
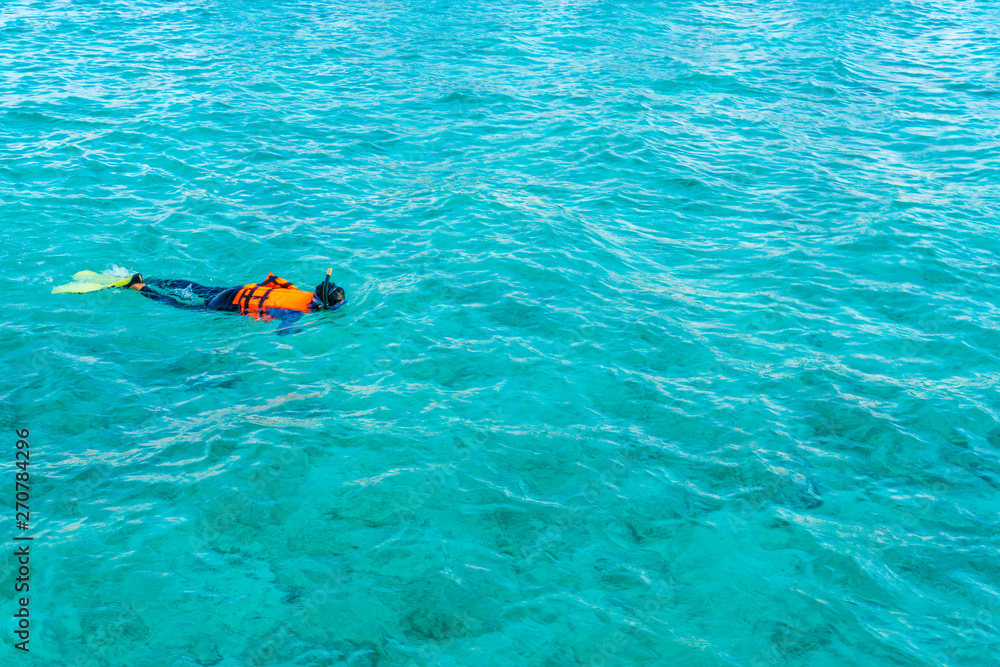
[(672, 335)]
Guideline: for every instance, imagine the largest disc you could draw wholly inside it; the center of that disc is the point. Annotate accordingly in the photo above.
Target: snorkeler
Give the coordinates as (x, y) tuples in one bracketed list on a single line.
[(272, 299)]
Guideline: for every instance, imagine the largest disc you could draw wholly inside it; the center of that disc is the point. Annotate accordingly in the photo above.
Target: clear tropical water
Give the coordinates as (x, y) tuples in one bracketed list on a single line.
[(672, 335)]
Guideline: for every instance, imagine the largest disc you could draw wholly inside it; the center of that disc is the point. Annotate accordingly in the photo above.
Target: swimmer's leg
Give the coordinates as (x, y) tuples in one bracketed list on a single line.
[(169, 300), (201, 291), (144, 287)]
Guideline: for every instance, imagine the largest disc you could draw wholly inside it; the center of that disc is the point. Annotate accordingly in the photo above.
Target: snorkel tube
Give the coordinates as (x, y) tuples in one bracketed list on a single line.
[(326, 289)]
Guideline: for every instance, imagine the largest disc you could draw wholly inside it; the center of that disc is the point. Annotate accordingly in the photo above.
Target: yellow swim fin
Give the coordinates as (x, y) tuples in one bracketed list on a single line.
[(91, 281)]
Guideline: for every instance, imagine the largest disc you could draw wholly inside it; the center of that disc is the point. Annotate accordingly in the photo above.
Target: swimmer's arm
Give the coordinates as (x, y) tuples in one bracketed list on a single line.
[(286, 319)]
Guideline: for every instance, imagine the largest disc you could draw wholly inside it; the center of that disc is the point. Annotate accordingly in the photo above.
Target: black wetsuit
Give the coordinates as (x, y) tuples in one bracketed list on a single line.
[(214, 298)]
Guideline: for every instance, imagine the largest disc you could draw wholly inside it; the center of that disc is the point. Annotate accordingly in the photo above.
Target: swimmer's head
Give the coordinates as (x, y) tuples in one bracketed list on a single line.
[(329, 296)]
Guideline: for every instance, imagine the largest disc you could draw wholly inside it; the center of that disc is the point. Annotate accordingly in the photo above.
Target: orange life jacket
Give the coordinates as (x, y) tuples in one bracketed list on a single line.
[(255, 299)]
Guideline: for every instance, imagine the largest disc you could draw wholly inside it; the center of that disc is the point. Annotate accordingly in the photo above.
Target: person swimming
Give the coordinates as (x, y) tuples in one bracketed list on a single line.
[(272, 299)]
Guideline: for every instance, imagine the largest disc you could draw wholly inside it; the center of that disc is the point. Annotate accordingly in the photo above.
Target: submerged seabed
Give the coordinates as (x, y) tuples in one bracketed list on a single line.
[(672, 337)]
